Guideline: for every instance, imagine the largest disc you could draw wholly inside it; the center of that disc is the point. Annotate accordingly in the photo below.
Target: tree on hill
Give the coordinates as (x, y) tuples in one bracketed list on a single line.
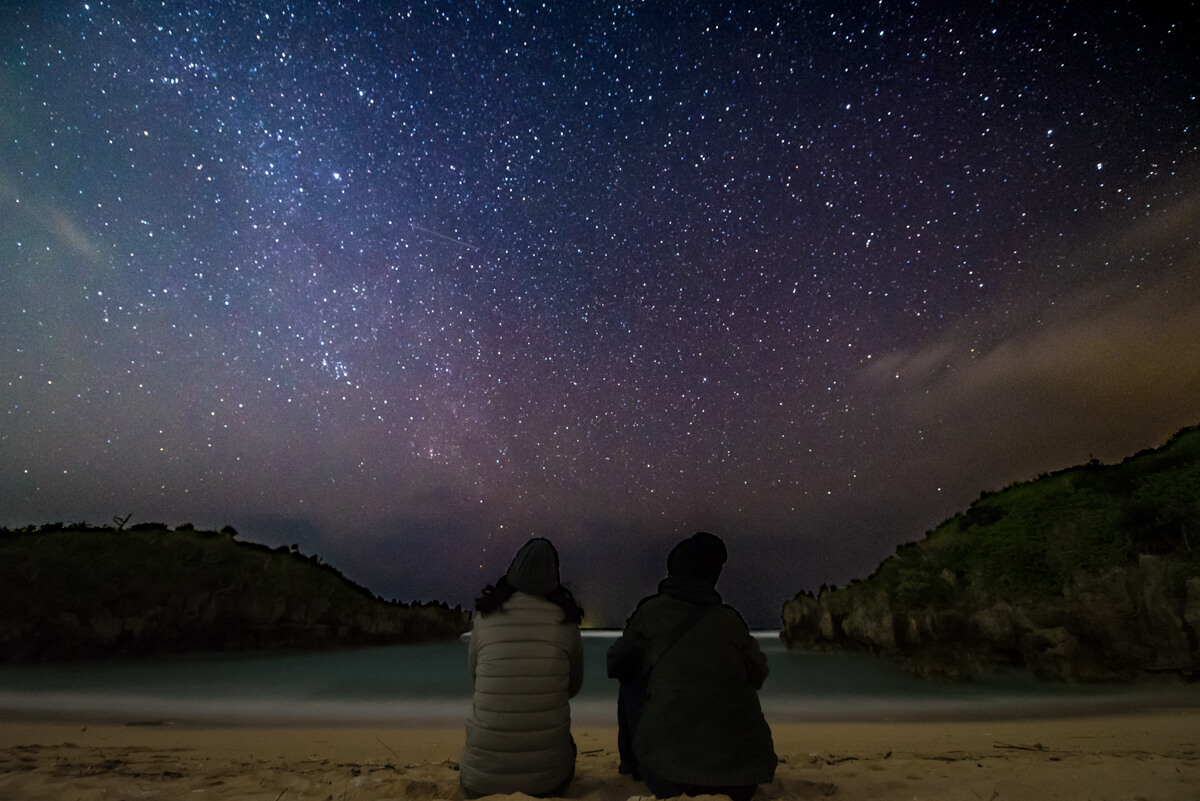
[(1031, 575), (82, 591)]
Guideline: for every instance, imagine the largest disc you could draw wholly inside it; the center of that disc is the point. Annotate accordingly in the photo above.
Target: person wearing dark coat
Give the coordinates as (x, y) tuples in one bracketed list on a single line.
[(688, 711)]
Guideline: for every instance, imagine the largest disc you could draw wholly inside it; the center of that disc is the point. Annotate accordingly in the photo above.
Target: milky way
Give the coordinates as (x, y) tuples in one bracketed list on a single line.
[(409, 284)]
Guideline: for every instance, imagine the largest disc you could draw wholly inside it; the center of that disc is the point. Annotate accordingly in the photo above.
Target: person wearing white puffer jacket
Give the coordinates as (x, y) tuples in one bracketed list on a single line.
[(526, 662)]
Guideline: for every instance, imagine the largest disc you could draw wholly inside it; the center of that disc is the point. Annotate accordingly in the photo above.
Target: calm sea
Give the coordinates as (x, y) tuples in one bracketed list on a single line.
[(428, 684)]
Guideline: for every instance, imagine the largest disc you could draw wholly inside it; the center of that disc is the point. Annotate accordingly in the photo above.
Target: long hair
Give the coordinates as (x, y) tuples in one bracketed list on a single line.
[(495, 595)]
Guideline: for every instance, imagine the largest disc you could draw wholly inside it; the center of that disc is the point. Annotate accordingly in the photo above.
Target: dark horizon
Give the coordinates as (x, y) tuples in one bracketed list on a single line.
[(606, 604)]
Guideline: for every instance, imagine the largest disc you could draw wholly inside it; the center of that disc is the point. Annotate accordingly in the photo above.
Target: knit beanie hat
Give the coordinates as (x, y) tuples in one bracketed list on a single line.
[(699, 556), (534, 569)]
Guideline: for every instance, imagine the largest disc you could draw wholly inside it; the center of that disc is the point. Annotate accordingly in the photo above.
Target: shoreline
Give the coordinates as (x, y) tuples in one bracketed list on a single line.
[(427, 686), (103, 708), (37, 719), (1131, 755)]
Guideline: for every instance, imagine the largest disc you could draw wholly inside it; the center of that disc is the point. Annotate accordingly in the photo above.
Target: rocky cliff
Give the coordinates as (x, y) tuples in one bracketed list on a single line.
[(83, 592), (1124, 623), (1087, 575)]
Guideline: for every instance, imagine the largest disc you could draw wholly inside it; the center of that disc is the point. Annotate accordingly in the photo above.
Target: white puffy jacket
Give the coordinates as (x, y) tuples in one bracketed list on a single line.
[(526, 663)]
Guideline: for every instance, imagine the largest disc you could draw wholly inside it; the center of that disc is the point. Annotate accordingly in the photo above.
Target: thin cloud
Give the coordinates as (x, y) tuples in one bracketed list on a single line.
[(1100, 378)]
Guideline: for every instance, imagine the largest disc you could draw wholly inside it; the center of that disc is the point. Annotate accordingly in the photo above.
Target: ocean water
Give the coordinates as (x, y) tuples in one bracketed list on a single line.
[(428, 684)]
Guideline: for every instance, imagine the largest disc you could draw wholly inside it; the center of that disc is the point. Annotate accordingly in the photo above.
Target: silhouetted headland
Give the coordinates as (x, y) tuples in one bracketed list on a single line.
[(71, 592), (1088, 574)]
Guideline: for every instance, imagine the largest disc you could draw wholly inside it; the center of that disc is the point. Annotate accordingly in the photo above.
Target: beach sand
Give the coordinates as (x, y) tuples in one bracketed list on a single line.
[(1152, 757)]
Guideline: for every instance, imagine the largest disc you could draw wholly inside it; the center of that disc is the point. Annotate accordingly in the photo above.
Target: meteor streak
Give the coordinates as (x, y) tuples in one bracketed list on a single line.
[(416, 227)]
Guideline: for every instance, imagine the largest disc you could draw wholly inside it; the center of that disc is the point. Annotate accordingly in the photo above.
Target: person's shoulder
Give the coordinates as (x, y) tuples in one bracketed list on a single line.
[(542, 610), (525, 617), (521, 607), (650, 599), (649, 604), (644, 611), (733, 617)]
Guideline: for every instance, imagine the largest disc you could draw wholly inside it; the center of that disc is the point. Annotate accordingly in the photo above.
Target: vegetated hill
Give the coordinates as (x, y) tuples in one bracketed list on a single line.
[(1090, 573), (81, 591)]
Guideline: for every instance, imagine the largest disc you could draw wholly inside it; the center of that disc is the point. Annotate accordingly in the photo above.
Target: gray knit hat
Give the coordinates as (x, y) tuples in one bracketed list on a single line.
[(534, 569)]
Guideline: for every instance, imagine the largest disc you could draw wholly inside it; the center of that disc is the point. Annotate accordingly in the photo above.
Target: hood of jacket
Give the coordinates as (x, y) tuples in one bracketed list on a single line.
[(697, 592)]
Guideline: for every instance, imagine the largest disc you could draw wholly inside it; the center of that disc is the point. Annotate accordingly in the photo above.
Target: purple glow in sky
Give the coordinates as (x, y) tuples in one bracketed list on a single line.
[(408, 284)]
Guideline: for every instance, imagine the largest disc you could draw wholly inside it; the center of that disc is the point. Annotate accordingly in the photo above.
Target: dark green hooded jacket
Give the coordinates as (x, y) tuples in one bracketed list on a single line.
[(701, 723)]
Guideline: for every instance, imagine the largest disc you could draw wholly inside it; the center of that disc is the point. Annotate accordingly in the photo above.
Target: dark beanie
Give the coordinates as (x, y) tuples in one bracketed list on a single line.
[(699, 556), (534, 569)]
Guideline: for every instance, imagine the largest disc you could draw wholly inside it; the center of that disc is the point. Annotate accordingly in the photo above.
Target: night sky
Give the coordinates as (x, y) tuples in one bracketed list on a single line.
[(408, 284)]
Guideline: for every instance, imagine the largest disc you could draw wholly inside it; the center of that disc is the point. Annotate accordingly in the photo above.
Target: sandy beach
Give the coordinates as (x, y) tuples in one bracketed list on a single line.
[(1138, 757)]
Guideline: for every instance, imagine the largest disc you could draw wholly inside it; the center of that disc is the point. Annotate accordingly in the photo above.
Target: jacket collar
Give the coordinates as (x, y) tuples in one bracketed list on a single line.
[(689, 590)]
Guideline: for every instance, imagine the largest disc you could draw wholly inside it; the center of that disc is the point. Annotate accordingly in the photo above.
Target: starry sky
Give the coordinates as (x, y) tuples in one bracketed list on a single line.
[(406, 284)]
